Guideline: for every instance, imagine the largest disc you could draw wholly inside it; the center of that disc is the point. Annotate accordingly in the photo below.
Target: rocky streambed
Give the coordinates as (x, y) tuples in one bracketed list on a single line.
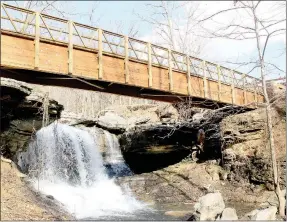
[(157, 142)]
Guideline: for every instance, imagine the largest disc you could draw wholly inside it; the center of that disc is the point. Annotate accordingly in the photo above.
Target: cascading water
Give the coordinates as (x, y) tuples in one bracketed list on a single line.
[(65, 162), (114, 160)]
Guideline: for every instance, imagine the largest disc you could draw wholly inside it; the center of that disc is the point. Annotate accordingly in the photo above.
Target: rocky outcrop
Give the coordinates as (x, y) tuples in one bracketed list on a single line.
[(246, 155), (21, 115)]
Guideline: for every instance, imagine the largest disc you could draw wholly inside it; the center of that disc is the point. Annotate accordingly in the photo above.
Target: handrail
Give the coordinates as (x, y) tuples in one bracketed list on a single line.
[(132, 50)]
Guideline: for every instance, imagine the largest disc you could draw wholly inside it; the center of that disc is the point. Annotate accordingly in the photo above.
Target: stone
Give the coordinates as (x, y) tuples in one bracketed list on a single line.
[(196, 118), (112, 121), (229, 214), (267, 214), (167, 111), (251, 215), (210, 206)]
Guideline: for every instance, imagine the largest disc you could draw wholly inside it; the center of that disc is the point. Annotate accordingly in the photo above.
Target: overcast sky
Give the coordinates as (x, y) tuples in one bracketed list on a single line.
[(110, 15)]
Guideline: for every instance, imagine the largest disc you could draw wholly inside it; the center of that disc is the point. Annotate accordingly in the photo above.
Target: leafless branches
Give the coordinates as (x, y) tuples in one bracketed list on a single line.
[(261, 29), (174, 25)]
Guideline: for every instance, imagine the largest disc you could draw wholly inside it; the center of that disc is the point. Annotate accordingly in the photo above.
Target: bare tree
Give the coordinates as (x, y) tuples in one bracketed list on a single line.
[(84, 103), (174, 23), (259, 28)]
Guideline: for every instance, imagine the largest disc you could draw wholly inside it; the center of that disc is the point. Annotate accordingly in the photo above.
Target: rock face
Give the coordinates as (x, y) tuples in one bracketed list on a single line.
[(21, 115), (245, 152), (122, 118)]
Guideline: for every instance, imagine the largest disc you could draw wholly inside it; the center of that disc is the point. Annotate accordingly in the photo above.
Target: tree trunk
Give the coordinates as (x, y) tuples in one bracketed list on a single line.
[(281, 199)]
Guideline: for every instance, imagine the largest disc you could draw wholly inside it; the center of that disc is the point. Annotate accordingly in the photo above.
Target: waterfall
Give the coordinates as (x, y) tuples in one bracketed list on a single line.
[(114, 160), (66, 162)]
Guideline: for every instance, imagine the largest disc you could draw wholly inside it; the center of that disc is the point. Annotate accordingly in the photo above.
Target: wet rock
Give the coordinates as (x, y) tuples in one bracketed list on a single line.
[(177, 214), (209, 206)]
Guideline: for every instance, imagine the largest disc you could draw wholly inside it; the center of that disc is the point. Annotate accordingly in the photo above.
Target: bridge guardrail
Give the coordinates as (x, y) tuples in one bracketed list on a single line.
[(43, 26)]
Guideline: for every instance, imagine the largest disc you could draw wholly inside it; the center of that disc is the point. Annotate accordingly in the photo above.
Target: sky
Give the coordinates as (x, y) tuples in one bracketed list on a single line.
[(119, 16)]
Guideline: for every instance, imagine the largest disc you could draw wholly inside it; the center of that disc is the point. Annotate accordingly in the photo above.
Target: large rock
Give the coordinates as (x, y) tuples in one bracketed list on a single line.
[(112, 121), (210, 206), (229, 214), (267, 214)]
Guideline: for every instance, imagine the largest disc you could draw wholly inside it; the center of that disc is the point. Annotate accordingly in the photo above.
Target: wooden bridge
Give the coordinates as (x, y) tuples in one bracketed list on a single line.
[(39, 48)]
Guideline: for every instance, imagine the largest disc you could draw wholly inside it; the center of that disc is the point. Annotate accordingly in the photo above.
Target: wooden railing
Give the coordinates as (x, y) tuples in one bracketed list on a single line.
[(62, 31)]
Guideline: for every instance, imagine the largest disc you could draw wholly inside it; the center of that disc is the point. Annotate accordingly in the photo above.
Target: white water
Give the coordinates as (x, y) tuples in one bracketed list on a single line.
[(114, 157), (65, 162)]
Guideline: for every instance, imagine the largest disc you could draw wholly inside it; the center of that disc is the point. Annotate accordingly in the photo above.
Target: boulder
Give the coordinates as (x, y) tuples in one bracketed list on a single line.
[(229, 214), (210, 206), (267, 214), (112, 121)]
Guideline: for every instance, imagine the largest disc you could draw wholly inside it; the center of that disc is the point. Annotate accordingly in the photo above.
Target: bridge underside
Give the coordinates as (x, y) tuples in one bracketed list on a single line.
[(64, 80)]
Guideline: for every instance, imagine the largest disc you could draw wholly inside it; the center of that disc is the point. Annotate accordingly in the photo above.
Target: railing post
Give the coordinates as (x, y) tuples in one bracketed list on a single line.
[(255, 93), (232, 87), (70, 48), (244, 89), (149, 65), (204, 80), (127, 74), (37, 39), (100, 52), (188, 75), (170, 70), (219, 82)]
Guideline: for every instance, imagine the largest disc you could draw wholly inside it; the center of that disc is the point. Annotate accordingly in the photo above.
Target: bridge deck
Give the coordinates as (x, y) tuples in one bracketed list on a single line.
[(38, 49)]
